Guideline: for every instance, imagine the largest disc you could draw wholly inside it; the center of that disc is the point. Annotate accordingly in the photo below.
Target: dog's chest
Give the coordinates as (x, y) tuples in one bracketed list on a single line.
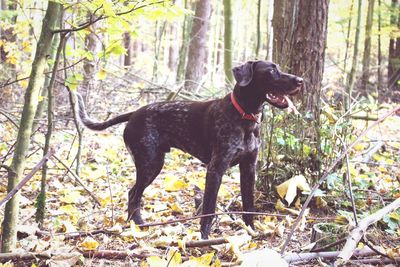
[(251, 139)]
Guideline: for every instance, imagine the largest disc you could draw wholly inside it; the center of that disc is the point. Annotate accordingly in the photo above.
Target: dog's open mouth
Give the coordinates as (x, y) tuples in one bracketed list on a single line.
[(283, 101)]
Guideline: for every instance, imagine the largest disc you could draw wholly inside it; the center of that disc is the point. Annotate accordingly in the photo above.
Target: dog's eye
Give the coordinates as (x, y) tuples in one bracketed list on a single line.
[(272, 71)]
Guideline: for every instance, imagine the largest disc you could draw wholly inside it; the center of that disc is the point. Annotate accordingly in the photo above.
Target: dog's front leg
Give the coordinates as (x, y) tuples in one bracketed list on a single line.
[(215, 170), (247, 177)]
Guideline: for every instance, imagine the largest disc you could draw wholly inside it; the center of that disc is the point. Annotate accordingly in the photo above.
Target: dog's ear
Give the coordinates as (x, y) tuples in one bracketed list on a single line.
[(244, 73)]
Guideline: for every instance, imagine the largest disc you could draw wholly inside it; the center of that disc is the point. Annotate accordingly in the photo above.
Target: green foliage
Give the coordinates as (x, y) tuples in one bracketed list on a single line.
[(392, 222)]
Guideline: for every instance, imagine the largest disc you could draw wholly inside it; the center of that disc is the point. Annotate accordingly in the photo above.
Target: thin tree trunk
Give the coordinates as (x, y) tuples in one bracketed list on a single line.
[(228, 41), (348, 35), (269, 30), (197, 55), (173, 54), (367, 47), (394, 54), (187, 24), (380, 81), (352, 74), (128, 46), (41, 199), (258, 38), (9, 233)]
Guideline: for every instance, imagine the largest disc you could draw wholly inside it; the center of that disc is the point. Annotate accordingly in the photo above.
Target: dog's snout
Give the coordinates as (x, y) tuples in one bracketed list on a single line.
[(299, 81)]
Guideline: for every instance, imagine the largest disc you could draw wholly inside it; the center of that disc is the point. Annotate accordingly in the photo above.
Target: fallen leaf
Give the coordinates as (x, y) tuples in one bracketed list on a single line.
[(288, 189), (88, 244), (174, 183)]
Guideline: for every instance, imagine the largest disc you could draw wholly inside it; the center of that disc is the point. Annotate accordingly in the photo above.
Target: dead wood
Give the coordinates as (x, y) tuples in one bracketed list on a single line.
[(298, 257), (358, 232)]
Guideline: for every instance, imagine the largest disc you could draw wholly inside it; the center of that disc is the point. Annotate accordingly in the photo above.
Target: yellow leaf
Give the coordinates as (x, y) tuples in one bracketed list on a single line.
[(321, 203), (26, 46), (155, 261), (382, 169), (204, 260), (360, 146), (11, 59), (217, 263), (69, 209), (174, 257), (279, 206), (23, 83), (70, 196), (176, 208), (89, 244), (173, 183), (289, 188), (101, 75)]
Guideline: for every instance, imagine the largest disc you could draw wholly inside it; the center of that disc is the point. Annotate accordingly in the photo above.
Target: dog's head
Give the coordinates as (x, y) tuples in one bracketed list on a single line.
[(266, 78)]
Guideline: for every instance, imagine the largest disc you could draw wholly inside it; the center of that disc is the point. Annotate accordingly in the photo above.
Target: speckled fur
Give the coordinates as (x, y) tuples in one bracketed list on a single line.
[(212, 131)]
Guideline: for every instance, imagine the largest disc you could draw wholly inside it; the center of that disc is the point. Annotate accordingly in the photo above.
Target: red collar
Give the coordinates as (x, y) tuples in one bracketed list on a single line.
[(245, 116)]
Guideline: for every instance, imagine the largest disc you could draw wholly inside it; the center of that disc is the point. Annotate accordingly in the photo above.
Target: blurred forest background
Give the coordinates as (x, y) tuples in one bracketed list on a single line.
[(121, 55)]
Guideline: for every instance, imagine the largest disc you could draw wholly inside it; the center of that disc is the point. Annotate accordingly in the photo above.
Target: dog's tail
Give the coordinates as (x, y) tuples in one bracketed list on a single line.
[(94, 125)]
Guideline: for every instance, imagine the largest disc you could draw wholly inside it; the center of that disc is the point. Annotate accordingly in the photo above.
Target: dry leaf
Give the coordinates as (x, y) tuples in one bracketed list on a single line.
[(288, 189)]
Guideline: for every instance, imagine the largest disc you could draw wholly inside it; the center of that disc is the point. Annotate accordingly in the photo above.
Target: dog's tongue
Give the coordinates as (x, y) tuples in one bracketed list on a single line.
[(291, 107)]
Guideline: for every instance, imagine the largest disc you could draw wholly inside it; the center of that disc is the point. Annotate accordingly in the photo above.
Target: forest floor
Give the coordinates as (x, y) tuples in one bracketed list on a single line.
[(108, 172)]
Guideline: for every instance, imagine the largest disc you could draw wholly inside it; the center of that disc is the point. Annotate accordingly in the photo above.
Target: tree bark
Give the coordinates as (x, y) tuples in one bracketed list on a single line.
[(129, 47), (228, 41), (352, 74), (394, 54), (258, 37), (9, 232), (379, 71), (89, 67), (367, 47), (197, 55), (41, 199)]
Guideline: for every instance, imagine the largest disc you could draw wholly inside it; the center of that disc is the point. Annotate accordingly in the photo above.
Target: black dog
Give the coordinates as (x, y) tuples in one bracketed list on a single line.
[(221, 133)]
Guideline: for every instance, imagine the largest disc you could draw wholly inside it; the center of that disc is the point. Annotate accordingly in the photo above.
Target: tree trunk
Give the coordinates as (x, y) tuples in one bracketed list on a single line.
[(187, 22), (300, 31), (89, 68), (173, 54), (258, 37), (197, 55), (129, 47), (367, 47), (228, 41), (379, 70), (41, 199), (348, 36), (9, 233), (269, 30), (394, 54), (352, 74)]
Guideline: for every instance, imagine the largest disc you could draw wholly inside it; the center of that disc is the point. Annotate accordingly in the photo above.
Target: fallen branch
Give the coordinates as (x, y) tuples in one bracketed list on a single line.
[(101, 254), (26, 178), (205, 243), (113, 254), (298, 257), (358, 232), (378, 261), (328, 171)]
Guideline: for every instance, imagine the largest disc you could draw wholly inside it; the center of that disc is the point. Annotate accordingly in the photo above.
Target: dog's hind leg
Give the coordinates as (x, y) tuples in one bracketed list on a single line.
[(148, 166)]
